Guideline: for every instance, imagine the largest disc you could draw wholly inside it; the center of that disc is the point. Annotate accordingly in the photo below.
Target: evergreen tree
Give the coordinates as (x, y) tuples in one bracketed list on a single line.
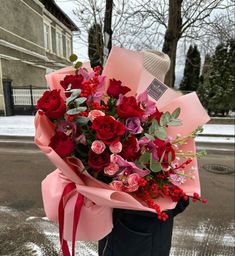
[(95, 48), (230, 92), (221, 79), (204, 85), (190, 81), (184, 85)]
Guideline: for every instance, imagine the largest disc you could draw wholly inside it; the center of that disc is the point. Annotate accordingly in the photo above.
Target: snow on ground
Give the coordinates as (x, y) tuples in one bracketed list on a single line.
[(17, 125), (221, 129), (24, 126), (212, 139)]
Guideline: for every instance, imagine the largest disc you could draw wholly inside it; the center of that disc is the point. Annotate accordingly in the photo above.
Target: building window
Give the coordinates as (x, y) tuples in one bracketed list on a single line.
[(59, 44), (47, 36), (68, 47)]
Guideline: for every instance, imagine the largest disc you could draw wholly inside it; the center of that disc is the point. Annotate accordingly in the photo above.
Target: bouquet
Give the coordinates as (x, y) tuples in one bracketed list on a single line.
[(105, 137)]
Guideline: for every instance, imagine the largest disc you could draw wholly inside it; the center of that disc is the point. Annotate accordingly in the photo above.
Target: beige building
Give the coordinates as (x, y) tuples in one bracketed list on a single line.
[(35, 38)]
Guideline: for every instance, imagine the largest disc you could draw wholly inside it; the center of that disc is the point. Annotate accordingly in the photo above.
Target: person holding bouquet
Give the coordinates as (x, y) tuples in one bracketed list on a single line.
[(140, 233), (123, 144)]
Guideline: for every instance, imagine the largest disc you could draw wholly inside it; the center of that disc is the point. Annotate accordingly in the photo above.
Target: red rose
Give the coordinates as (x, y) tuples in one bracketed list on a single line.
[(130, 150), (115, 89), (129, 108), (108, 129), (62, 144), (156, 115), (52, 104), (98, 162), (74, 80), (165, 148)]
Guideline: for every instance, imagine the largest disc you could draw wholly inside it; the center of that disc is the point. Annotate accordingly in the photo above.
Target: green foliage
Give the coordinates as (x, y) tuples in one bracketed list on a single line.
[(190, 81), (73, 96), (78, 64), (96, 45), (73, 57), (217, 91), (204, 85), (159, 130), (155, 166), (75, 106)]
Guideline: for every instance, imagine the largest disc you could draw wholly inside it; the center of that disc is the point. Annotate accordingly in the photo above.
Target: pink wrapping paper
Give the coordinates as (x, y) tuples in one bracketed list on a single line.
[(127, 66), (96, 215)]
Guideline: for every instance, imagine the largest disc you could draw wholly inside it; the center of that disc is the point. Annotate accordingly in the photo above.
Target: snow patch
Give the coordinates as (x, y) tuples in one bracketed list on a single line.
[(8, 210), (34, 249)]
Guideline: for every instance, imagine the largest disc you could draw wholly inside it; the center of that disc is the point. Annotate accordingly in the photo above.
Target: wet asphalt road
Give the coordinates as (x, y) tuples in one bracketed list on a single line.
[(201, 230)]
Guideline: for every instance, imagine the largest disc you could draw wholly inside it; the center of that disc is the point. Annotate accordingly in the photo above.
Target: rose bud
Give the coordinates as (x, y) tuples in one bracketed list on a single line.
[(98, 146)]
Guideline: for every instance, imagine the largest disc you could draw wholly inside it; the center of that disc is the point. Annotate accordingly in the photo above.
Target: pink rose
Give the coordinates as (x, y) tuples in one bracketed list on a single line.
[(98, 146), (111, 169), (95, 113), (113, 158), (117, 185), (133, 182), (116, 148)]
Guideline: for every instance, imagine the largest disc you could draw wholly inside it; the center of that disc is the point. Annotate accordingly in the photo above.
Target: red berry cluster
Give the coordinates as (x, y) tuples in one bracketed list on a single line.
[(149, 190), (87, 89), (176, 193), (83, 114), (150, 203), (97, 106), (89, 86), (97, 70), (70, 118), (196, 198)]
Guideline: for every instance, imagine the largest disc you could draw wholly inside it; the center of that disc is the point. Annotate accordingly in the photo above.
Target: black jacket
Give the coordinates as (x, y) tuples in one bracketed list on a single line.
[(138, 233)]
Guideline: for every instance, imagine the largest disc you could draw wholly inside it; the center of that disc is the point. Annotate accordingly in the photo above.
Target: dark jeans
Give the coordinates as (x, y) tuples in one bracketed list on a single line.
[(137, 233)]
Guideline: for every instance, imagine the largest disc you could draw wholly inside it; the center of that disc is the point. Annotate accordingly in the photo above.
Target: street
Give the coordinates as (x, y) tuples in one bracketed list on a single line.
[(203, 229)]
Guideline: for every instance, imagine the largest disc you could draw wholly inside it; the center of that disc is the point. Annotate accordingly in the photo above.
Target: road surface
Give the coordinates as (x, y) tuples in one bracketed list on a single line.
[(202, 230)]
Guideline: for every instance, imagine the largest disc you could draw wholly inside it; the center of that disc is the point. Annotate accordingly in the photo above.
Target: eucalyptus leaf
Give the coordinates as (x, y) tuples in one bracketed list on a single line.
[(82, 120), (71, 98), (79, 101), (77, 91), (176, 113), (161, 133), (74, 95), (75, 111), (155, 166), (176, 122), (155, 123), (165, 119), (145, 158), (148, 136), (78, 64), (153, 126), (82, 109), (169, 157), (73, 57), (162, 120)]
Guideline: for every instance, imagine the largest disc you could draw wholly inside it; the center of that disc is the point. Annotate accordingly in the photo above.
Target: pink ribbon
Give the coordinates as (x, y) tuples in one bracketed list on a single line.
[(68, 189)]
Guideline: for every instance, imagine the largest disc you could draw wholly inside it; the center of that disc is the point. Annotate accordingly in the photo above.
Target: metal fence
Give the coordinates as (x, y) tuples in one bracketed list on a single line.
[(25, 98)]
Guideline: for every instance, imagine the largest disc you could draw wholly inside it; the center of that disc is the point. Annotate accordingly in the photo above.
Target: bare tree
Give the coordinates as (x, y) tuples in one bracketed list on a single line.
[(178, 19), (151, 24), (90, 12)]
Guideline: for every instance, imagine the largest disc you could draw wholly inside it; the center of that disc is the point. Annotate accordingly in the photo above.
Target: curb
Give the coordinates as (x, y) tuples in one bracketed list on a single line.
[(18, 142)]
